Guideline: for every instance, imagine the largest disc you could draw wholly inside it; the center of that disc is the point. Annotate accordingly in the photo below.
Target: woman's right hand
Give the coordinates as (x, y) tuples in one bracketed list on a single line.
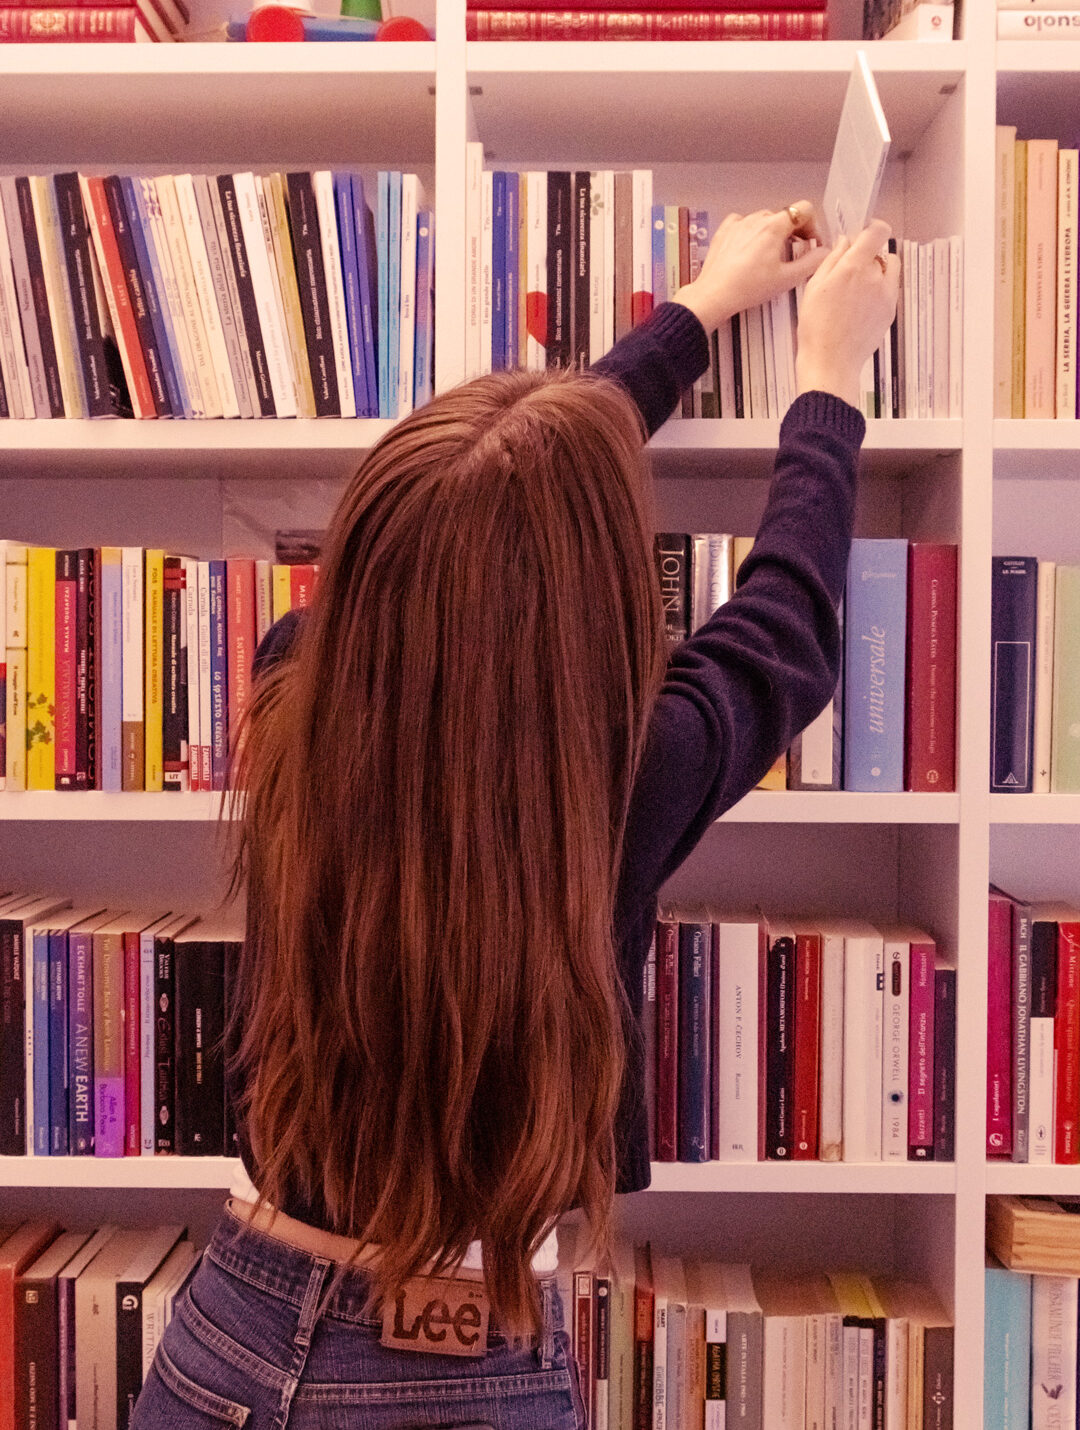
[(845, 312)]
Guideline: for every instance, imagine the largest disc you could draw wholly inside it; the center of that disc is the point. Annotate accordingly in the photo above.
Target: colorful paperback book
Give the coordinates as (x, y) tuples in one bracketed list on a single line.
[(393, 294), (874, 675), (1007, 1342), (498, 270), (152, 280), (367, 271), (351, 278), (423, 383)]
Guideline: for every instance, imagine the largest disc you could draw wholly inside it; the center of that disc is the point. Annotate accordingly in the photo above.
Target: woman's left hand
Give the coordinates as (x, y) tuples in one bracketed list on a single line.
[(747, 264)]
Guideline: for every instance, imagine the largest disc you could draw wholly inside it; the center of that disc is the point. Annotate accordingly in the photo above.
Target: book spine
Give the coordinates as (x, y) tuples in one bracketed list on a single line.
[(559, 275), (644, 25), (194, 676), (240, 586), (21, 300), (1042, 722), (780, 1045), (102, 24), (346, 227), (37, 1040), (643, 1358), (410, 207), (16, 615), (1067, 1045), (487, 260), (164, 1047), (940, 336), (223, 293), (12, 1040), (863, 1013), (1041, 277), (1012, 672), (1065, 717), (237, 225), (81, 1044), (641, 203), (581, 249), (423, 383), (41, 668), (174, 705), (1053, 1352), (498, 270), (153, 632), (283, 271), (921, 1054), (265, 300), (672, 551), (895, 1072), (623, 257), (1021, 1031), (695, 949), (65, 589), (649, 1036), (205, 303), (58, 1044), (393, 295), (875, 618), (33, 299), (735, 1018), (999, 1028), (12, 349), (322, 185), (145, 1060), (110, 715), (75, 239), (1041, 1042), (930, 719), (54, 267), (219, 703), (86, 619), (367, 269), (806, 1098), (118, 300), (133, 753), (944, 1064), (140, 202), (667, 1039), (830, 1129), (583, 1334), (129, 1372), (131, 1046), (108, 1045), (200, 1027), (536, 262), (1004, 252)]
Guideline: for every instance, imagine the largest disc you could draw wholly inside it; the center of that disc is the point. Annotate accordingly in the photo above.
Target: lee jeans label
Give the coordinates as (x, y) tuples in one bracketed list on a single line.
[(445, 1317)]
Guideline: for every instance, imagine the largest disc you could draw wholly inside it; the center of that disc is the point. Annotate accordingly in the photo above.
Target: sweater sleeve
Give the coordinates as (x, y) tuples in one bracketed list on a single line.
[(765, 663), (658, 359)]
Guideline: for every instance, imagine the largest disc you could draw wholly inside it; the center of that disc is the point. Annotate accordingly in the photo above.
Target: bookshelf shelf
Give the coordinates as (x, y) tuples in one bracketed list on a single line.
[(761, 435), (1016, 1179), (1035, 809), (1019, 57), (119, 1172), (96, 806), (1035, 435), (899, 1178)]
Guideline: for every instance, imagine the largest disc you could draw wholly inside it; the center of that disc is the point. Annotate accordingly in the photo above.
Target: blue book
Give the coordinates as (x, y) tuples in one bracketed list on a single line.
[(382, 240), (393, 295), (147, 1022), (40, 995), (143, 302), (367, 270), (58, 1042), (659, 256), (875, 641), (423, 360), (80, 1044), (146, 252), (1013, 586), (219, 678), (498, 271), (343, 204), (695, 962), (513, 262), (1007, 1350)]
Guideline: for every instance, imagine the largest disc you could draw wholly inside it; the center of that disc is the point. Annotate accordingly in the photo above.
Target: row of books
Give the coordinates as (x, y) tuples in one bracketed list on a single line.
[(664, 1342), (81, 1315), (892, 724), (100, 21), (562, 264), (130, 669), (111, 1040), (656, 23), (1033, 1031), (1030, 1359), (818, 1040), (1035, 274), (1034, 683), (1036, 21), (229, 295)]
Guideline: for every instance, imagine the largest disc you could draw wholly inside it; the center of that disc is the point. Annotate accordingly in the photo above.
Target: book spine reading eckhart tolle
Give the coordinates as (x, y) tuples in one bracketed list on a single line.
[(645, 25)]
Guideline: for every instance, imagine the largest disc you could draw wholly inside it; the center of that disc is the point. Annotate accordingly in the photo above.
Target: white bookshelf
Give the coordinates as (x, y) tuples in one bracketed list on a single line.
[(736, 126)]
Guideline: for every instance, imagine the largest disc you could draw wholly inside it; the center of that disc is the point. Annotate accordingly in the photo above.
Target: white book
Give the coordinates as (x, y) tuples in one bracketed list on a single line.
[(608, 176), (755, 388), (863, 1011), (834, 1372), (894, 1064), (909, 297), (897, 1370), (886, 375), (1041, 1092), (670, 225), (323, 184), (867, 399), (924, 22), (1053, 1352), (47, 222), (850, 1387), (411, 204), (191, 621), (1053, 25), (669, 1340), (784, 352), (816, 1341), (24, 293), (769, 349), (597, 271), (131, 653), (739, 955), (859, 154), (1004, 244), (926, 328), (866, 1379), (205, 704), (940, 289), (207, 298), (474, 164), (487, 225), (271, 318), (220, 273), (816, 750), (831, 1089), (167, 1278), (725, 364), (783, 1373), (1044, 675), (956, 326), (13, 361), (190, 308), (1065, 365), (169, 281), (536, 259), (660, 1350), (641, 205), (721, 548), (243, 348)]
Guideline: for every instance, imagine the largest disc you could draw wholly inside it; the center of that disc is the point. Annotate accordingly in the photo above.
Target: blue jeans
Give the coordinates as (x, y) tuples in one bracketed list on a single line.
[(249, 1346)]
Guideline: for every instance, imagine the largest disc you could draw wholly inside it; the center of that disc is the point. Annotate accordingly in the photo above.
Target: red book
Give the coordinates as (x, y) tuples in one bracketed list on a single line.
[(240, 589), (530, 5), (132, 1050), (100, 25), (117, 296), (85, 714), (930, 718), (999, 1029), (921, 1052), (624, 245), (584, 1333), (643, 1339), (302, 579), (1067, 1042), (667, 1038), (763, 1034), (67, 664), (645, 25), (807, 1045), (16, 1254)]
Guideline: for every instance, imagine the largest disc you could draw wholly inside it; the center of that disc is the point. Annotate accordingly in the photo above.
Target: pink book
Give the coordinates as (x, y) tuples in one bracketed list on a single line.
[(1040, 331), (921, 1053), (240, 587), (66, 661), (999, 1030), (132, 1050)]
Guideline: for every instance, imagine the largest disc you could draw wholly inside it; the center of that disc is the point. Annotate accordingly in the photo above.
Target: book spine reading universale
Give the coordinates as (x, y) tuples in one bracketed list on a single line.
[(875, 639)]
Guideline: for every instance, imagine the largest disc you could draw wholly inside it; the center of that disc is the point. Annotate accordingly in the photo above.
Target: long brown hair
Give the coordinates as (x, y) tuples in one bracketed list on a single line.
[(429, 1019)]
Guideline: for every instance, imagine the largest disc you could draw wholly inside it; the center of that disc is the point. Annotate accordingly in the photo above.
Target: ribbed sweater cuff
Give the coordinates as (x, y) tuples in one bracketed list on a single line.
[(823, 409), (684, 340)]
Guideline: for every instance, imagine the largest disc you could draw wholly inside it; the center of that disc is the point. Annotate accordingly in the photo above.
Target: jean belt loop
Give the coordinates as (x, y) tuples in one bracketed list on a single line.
[(547, 1338), (309, 1311)]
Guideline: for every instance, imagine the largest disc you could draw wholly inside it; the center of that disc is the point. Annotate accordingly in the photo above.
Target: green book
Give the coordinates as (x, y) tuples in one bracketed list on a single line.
[(1065, 732)]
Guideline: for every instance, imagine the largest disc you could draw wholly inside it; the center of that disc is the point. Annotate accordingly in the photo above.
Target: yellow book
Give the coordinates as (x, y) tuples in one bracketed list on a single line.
[(41, 668), (14, 596), (1019, 306), (282, 591), (274, 189), (154, 668), (775, 778)]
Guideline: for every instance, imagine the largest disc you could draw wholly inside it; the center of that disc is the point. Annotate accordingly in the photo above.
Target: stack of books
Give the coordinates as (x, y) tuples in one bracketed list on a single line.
[(652, 20), (1030, 1342), (1033, 1032), (1038, 20), (892, 724), (562, 264), (229, 295), (1034, 681), (129, 669), (83, 1312), (93, 21), (1035, 273), (671, 1341), (813, 1040), (1034, 1233), (114, 1030)]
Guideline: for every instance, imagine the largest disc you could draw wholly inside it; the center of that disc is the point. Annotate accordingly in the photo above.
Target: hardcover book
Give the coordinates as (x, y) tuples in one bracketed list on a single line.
[(1012, 673)]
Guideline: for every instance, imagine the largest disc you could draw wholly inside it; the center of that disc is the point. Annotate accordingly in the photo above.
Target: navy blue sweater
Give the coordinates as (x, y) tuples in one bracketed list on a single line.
[(739, 689)]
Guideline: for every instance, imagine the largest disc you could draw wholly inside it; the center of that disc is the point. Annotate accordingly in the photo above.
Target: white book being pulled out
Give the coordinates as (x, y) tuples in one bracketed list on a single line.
[(859, 154)]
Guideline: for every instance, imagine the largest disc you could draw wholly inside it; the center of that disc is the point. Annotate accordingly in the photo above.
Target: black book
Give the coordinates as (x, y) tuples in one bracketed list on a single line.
[(174, 722), (944, 1064), (311, 278), (142, 297), (41, 299), (560, 281), (13, 925), (580, 252), (158, 1243), (85, 612), (1044, 965), (199, 971), (672, 550), (237, 254), (1012, 672), (779, 1047), (75, 241), (165, 1035), (37, 1334), (736, 363), (232, 1132), (894, 349)]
